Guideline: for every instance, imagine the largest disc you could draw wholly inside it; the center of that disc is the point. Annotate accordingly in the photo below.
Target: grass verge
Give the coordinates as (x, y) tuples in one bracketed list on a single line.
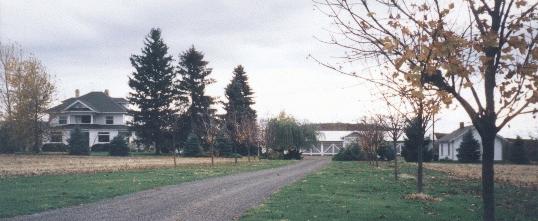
[(25, 195), (356, 191)]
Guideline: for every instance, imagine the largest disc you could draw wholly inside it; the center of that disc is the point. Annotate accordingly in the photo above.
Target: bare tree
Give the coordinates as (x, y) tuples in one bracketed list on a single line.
[(394, 123), (211, 129), (372, 136), (484, 56)]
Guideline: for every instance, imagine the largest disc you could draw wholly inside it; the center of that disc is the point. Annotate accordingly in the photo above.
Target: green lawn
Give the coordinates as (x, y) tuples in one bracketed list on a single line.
[(356, 191), (25, 195)]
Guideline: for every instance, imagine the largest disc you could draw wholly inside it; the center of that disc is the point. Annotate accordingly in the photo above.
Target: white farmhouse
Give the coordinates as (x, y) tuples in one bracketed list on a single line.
[(450, 143), (333, 137), (99, 116)]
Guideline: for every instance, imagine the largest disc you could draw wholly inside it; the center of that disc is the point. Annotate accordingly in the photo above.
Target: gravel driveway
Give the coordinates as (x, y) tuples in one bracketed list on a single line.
[(219, 198)]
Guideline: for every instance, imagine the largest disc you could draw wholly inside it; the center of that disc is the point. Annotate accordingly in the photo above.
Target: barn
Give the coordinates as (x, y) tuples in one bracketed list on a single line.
[(333, 137)]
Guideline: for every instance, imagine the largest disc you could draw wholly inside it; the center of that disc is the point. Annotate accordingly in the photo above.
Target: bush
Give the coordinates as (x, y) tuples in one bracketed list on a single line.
[(101, 147), (54, 147), (351, 153), (7, 141), (118, 147), (78, 143), (293, 155), (193, 147)]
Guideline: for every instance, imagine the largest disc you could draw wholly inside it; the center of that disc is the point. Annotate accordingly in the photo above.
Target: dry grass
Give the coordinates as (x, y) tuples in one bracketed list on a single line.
[(421, 197), (519, 175), (33, 165)]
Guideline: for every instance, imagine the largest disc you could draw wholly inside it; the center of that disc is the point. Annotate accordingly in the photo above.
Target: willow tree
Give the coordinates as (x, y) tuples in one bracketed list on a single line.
[(482, 54), (286, 133)]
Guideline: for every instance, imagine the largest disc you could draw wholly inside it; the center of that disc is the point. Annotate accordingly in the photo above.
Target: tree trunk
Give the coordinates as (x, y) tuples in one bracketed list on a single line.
[(395, 160), (235, 154), (212, 156), (248, 152), (420, 150), (488, 197)]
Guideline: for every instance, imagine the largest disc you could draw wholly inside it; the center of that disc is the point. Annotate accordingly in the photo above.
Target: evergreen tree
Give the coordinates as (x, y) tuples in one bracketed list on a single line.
[(223, 143), (78, 143), (469, 150), (119, 146), (411, 142), (193, 147), (153, 91), (194, 75), (518, 153), (239, 111)]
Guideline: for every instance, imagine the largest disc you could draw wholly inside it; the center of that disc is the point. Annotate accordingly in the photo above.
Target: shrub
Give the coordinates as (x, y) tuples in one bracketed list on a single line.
[(469, 151), (54, 147), (293, 155), (118, 147), (518, 153), (193, 147), (101, 147), (78, 143), (351, 153)]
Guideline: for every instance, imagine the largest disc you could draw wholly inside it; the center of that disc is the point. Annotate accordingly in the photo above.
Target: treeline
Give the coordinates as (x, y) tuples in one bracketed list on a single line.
[(26, 92), (173, 112)]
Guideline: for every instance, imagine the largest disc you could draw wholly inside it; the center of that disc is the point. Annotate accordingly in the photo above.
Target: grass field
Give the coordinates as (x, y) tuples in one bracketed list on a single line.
[(25, 195), (519, 175), (31, 165), (356, 191)]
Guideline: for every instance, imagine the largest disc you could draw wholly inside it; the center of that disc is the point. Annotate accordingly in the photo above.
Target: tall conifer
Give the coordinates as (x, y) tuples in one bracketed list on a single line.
[(153, 91)]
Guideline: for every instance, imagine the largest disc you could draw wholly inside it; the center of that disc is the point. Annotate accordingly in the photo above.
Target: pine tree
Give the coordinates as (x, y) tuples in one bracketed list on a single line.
[(194, 78), (239, 108), (153, 91), (193, 147), (518, 153), (411, 142), (223, 143), (469, 151), (78, 143)]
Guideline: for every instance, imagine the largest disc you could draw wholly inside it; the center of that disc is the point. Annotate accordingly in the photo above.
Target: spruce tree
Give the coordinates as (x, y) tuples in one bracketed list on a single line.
[(194, 77), (238, 108), (223, 143), (469, 151), (193, 147), (411, 142), (153, 91), (518, 153)]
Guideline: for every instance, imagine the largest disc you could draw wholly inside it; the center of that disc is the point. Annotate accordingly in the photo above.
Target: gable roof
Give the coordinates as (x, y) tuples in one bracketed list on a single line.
[(98, 101), (455, 134), (339, 127), (460, 131)]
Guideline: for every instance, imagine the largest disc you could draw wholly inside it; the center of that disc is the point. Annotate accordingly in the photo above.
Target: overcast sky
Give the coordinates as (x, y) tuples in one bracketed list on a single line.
[(87, 45)]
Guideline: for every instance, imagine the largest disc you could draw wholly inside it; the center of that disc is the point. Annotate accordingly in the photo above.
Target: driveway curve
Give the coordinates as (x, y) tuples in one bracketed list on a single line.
[(219, 198)]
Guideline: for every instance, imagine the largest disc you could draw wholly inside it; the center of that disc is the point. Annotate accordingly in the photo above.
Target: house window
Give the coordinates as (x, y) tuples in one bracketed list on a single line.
[(109, 120), (83, 119), (103, 137), (56, 137), (62, 120)]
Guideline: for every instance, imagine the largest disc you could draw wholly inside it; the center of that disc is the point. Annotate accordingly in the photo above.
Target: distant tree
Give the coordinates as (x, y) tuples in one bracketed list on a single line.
[(284, 133), (193, 146), (194, 77), (413, 138), (223, 143), (469, 150), (518, 153), (372, 136), (119, 146), (153, 91), (240, 116), (78, 143)]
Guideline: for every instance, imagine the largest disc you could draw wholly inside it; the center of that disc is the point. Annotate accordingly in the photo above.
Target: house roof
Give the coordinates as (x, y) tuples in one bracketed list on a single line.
[(332, 135), (96, 100), (455, 134)]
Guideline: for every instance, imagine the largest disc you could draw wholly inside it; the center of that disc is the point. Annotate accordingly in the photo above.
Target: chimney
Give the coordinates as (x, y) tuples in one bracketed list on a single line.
[(462, 125), (106, 92), (77, 93)]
